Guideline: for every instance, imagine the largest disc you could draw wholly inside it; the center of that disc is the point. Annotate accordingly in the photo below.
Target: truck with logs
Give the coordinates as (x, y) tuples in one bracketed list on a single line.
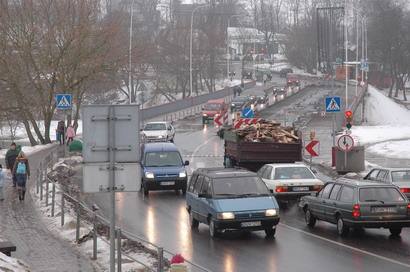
[(254, 145)]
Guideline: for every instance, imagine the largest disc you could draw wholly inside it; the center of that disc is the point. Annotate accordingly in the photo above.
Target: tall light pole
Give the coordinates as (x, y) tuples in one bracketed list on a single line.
[(190, 47), (130, 81), (227, 43)]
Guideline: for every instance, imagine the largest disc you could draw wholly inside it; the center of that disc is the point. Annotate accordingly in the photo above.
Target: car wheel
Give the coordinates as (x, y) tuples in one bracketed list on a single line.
[(192, 221), (309, 218), (213, 231), (342, 229), (395, 231), (270, 233)]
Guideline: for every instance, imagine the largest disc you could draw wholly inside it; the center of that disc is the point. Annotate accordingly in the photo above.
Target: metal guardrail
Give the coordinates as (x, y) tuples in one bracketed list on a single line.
[(83, 212)]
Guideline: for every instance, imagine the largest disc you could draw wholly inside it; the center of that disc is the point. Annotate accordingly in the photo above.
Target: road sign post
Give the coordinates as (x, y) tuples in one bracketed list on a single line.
[(345, 143), (333, 104), (248, 113), (64, 102)]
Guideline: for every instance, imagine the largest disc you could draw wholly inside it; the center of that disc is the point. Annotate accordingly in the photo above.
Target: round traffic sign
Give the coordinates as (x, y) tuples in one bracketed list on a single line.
[(345, 142)]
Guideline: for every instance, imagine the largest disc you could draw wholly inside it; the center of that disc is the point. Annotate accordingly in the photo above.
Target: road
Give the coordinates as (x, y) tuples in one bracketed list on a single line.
[(162, 219)]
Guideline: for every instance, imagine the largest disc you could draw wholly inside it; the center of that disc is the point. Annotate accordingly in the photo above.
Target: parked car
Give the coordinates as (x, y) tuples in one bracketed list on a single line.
[(289, 181), (158, 132), (358, 204), (162, 168), (212, 108), (231, 199), (397, 176), (283, 72), (239, 102)]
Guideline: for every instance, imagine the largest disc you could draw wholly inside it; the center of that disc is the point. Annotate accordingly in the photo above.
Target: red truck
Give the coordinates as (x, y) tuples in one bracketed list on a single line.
[(213, 107)]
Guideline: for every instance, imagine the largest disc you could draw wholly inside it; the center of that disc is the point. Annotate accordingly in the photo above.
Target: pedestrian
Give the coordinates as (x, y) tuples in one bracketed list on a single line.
[(1, 183), (10, 159), (61, 132), (22, 171), (70, 134)]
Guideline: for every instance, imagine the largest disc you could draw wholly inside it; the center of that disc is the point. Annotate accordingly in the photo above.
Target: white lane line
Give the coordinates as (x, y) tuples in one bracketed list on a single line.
[(346, 246), (199, 147)]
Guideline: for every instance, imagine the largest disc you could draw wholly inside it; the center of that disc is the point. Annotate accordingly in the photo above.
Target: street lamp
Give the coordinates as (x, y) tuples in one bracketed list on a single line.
[(190, 46), (227, 43)]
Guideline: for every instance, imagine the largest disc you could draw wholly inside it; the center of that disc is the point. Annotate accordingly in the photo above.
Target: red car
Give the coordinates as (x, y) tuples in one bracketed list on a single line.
[(213, 107)]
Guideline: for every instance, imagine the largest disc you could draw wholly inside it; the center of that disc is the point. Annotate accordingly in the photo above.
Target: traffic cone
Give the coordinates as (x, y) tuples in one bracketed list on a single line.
[(178, 264)]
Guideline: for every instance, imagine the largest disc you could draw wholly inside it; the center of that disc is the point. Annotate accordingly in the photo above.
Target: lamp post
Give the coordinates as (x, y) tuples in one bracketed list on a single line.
[(190, 47), (227, 43)]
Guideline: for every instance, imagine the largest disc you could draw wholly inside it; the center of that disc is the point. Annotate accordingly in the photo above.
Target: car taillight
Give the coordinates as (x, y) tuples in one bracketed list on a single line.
[(408, 207), (317, 188), (405, 190), (356, 211), (281, 189)]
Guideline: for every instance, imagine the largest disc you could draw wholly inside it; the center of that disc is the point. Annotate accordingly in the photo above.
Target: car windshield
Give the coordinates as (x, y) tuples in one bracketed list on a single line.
[(239, 99), (380, 194), (163, 158), (212, 106), (400, 176), (239, 187), (155, 126), (293, 173)]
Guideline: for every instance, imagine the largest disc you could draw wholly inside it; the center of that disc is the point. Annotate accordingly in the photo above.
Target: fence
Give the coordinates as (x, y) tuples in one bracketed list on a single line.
[(90, 215)]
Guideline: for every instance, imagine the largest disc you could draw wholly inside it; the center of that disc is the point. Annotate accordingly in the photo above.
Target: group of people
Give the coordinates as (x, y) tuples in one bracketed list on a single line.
[(18, 165), (64, 135)]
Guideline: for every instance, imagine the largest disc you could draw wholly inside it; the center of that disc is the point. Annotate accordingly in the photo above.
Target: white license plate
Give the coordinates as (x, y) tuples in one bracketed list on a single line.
[(384, 210), (300, 189), (251, 224), (167, 183)]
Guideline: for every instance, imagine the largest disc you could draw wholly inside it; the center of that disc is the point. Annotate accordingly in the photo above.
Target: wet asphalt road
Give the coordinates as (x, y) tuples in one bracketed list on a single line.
[(162, 219)]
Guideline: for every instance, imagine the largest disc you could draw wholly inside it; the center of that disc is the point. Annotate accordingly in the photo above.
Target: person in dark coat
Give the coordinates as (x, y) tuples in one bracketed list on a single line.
[(22, 171), (10, 159), (61, 132)]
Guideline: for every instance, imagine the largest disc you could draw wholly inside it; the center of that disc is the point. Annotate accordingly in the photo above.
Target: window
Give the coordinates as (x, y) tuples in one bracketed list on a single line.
[(400, 176), (155, 126), (212, 106), (382, 175), (163, 159), (335, 191), (293, 173), (268, 172), (206, 187), (198, 184), (239, 186), (373, 174), (192, 183), (380, 194), (347, 194), (326, 191), (261, 171)]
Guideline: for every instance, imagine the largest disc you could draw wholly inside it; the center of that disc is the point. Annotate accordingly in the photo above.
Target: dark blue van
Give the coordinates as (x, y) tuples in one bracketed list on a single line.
[(162, 168)]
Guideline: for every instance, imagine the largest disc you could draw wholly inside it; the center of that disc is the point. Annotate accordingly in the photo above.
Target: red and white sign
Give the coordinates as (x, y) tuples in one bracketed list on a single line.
[(246, 121), (221, 119), (313, 148), (345, 143)]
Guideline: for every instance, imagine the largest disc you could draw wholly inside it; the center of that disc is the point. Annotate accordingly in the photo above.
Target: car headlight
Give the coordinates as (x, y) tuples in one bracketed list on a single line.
[(271, 212), (205, 115), (149, 175), (160, 136), (182, 174), (233, 105), (226, 215)]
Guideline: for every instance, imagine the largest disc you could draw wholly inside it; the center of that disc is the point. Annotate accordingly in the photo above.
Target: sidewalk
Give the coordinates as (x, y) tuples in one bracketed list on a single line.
[(36, 246)]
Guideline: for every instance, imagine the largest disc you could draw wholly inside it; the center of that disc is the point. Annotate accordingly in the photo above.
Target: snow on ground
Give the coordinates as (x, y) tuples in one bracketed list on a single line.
[(12, 264), (392, 149)]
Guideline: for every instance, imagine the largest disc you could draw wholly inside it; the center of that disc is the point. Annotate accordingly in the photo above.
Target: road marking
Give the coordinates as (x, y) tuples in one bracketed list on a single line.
[(346, 246), (199, 147)]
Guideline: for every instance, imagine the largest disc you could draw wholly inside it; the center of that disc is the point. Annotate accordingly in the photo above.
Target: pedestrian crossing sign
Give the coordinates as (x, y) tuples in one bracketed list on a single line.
[(333, 103), (63, 101)]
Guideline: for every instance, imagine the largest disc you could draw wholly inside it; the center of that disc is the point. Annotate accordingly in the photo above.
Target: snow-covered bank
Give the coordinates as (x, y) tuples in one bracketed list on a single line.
[(392, 149), (12, 264), (28, 150)]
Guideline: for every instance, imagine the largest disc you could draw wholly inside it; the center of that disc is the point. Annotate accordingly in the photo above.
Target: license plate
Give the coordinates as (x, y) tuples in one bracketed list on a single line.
[(384, 210), (251, 224), (300, 189), (167, 183)]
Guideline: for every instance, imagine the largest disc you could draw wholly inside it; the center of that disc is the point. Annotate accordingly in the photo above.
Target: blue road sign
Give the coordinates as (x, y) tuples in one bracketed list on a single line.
[(332, 103), (63, 101), (248, 113)]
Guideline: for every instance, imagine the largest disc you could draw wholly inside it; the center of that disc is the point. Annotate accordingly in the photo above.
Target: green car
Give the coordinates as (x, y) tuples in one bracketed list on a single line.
[(358, 205)]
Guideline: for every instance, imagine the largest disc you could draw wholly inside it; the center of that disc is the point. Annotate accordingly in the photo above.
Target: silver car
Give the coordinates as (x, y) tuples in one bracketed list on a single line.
[(397, 176)]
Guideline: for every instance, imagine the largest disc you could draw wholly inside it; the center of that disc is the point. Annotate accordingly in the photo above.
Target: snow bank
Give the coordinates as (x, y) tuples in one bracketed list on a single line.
[(381, 110), (392, 149), (11, 264), (27, 150), (366, 135)]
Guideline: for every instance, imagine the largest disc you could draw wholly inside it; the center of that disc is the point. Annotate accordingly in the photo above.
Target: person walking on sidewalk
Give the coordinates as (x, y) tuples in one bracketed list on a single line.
[(70, 134), (1, 183), (61, 132), (10, 159), (22, 171)]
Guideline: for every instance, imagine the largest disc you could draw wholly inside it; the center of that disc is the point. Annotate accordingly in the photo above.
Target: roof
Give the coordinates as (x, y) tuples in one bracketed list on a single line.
[(153, 147), (390, 169), (157, 122), (220, 172), (361, 183), (220, 100), (297, 164)]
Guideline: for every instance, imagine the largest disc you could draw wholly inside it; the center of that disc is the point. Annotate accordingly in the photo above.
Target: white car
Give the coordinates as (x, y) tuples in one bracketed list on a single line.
[(290, 180), (158, 132), (397, 176)]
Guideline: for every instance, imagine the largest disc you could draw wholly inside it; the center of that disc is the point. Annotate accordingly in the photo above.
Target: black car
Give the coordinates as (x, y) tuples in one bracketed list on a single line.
[(239, 102), (358, 204), (283, 72)]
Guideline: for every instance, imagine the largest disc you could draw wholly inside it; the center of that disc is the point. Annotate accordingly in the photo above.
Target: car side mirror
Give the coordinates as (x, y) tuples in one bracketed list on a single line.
[(314, 171), (141, 129), (186, 163)]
